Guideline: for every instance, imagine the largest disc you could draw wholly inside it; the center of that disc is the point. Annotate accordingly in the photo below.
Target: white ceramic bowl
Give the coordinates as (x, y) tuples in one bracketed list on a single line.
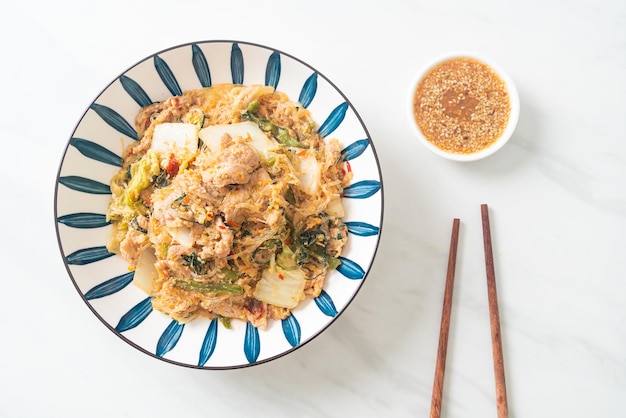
[(499, 142), (92, 156)]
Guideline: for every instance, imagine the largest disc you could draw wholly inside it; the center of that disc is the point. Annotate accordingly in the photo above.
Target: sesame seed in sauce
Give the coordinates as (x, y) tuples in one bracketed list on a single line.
[(461, 106)]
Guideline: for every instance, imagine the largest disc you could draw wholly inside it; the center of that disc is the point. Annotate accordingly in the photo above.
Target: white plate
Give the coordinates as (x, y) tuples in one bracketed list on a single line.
[(92, 157)]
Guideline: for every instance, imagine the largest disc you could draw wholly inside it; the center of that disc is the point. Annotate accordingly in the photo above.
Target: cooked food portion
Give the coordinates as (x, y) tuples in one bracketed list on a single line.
[(230, 204)]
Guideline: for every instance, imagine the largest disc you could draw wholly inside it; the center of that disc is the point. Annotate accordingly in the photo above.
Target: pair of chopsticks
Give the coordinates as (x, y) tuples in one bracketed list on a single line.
[(496, 342)]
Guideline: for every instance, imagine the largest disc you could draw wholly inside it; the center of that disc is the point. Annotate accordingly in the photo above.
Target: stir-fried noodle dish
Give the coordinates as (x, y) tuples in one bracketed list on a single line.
[(229, 206)]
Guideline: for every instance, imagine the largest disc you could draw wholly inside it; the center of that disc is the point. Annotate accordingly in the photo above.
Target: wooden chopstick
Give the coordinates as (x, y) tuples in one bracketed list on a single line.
[(435, 407), (496, 341), (494, 318)]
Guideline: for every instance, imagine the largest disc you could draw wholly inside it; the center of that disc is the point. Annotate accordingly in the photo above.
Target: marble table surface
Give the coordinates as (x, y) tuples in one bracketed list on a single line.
[(556, 194)]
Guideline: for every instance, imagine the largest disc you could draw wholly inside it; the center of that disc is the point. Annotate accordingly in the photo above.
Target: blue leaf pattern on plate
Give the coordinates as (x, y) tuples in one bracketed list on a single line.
[(362, 189), (350, 269), (334, 120), (308, 90), (90, 154), (251, 344), (88, 256), (236, 64), (272, 70), (167, 76), (291, 330), (114, 120), (326, 304), (111, 286), (135, 91), (96, 152), (354, 150), (208, 344), (84, 220), (169, 338), (362, 229), (135, 315), (84, 185), (200, 65)]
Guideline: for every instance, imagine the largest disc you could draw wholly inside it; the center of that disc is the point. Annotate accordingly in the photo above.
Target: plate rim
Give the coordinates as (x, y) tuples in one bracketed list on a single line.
[(318, 331)]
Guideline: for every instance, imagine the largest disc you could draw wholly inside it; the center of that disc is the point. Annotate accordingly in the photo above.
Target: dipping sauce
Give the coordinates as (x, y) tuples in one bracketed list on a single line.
[(462, 106)]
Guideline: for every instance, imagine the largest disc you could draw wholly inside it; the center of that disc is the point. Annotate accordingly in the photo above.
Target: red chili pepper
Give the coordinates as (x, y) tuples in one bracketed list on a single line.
[(261, 311), (172, 165), (280, 276), (347, 168)]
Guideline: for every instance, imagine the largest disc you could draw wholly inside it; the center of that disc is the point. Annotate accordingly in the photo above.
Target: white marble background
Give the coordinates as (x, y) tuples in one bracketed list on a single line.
[(556, 194)]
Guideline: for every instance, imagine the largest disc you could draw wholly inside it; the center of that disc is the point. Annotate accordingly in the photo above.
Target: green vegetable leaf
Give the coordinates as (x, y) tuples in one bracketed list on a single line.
[(280, 133), (209, 287), (229, 275), (333, 262), (225, 321), (195, 263), (134, 224)]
